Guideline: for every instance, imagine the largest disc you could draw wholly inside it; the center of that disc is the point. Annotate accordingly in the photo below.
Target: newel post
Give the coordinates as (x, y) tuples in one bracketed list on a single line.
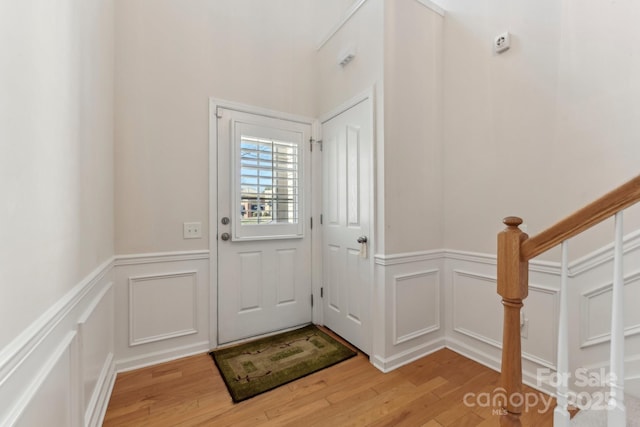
[(513, 284)]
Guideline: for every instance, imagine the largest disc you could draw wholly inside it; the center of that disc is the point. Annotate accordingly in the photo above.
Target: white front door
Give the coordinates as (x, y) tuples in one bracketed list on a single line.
[(347, 140), (264, 244)]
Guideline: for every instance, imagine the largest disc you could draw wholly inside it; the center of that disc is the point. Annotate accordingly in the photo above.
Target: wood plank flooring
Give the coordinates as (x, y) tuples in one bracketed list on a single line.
[(429, 392)]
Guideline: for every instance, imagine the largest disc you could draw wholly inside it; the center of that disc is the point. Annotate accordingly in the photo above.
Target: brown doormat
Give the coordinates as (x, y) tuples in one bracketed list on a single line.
[(264, 364)]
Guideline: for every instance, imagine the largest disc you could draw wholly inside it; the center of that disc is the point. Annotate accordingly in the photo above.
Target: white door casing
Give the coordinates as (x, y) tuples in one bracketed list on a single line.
[(264, 267), (347, 141)]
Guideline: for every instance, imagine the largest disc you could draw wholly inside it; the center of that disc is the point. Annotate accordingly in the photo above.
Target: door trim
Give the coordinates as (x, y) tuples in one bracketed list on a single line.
[(214, 104)]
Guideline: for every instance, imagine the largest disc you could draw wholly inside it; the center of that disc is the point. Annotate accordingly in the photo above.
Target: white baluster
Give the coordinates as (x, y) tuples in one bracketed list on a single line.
[(617, 410), (561, 416)]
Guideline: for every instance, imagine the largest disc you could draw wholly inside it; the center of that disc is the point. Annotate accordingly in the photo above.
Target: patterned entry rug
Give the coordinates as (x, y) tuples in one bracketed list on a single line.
[(258, 366)]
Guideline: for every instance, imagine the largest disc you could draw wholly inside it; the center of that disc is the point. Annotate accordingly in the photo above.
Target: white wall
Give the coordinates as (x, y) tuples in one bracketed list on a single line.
[(544, 128), (171, 57), (538, 131), (56, 152), (413, 203), (56, 182)]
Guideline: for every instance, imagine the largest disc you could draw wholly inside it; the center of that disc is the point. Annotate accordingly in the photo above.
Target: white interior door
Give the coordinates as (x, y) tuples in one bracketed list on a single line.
[(347, 140), (264, 250)]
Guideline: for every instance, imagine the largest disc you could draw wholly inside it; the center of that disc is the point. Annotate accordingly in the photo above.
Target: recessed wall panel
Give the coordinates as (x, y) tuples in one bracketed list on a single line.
[(477, 311), (162, 306), (416, 305), (596, 311), (50, 401)]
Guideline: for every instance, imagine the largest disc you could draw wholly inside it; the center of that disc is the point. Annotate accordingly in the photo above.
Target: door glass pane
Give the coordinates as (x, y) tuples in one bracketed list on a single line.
[(269, 181)]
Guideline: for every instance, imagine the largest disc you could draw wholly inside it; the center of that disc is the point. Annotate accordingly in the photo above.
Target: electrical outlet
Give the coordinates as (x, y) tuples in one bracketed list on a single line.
[(524, 329), (502, 42), (192, 230)]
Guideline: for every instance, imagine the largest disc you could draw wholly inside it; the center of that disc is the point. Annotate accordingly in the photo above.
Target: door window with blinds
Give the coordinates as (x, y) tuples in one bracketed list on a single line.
[(268, 179)]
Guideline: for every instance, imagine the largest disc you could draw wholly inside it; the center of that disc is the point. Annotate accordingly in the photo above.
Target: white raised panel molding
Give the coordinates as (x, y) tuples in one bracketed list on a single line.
[(162, 306), (410, 316), (96, 359), (479, 328), (42, 372), (416, 305), (14, 353), (631, 243), (491, 300), (545, 315), (596, 312), (50, 398)]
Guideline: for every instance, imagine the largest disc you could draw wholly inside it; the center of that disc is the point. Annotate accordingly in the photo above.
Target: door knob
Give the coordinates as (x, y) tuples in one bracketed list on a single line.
[(225, 236), (362, 239)]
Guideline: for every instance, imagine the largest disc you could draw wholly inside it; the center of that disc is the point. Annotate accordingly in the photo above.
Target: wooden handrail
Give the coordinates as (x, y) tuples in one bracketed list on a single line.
[(515, 249), (605, 207)]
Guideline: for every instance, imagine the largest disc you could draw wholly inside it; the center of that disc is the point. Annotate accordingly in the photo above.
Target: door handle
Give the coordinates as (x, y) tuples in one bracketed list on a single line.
[(225, 236), (362, 239)]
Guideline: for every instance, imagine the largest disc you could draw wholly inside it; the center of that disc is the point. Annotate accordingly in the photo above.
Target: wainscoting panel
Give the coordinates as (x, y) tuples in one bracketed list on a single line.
[(54, 393), (60, 370), (540, 331), (596, 311), (474, 313), (416, 305), (477, 312), (410, 308), (162, 307), (95, 341)]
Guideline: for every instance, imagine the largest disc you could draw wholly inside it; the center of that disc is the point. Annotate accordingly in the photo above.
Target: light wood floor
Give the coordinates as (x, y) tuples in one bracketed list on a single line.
[(429, 392)]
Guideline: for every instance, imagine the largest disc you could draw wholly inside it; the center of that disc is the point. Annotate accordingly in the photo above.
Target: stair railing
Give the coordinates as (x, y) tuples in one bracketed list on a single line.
[(515, 250)]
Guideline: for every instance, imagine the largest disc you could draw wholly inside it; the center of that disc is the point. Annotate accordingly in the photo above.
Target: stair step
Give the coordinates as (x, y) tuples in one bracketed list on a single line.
[(598, 418)]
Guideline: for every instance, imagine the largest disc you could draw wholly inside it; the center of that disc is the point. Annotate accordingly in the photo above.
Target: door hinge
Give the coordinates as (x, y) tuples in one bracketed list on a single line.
[(219, 113), (321, 292), (311, 141), (321, 219), (312, 223), (311, 300)]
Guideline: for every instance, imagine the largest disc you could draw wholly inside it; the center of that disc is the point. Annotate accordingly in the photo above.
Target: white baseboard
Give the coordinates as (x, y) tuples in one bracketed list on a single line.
[(490, 361), (389, 364), (97, 407), (149, 359)]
